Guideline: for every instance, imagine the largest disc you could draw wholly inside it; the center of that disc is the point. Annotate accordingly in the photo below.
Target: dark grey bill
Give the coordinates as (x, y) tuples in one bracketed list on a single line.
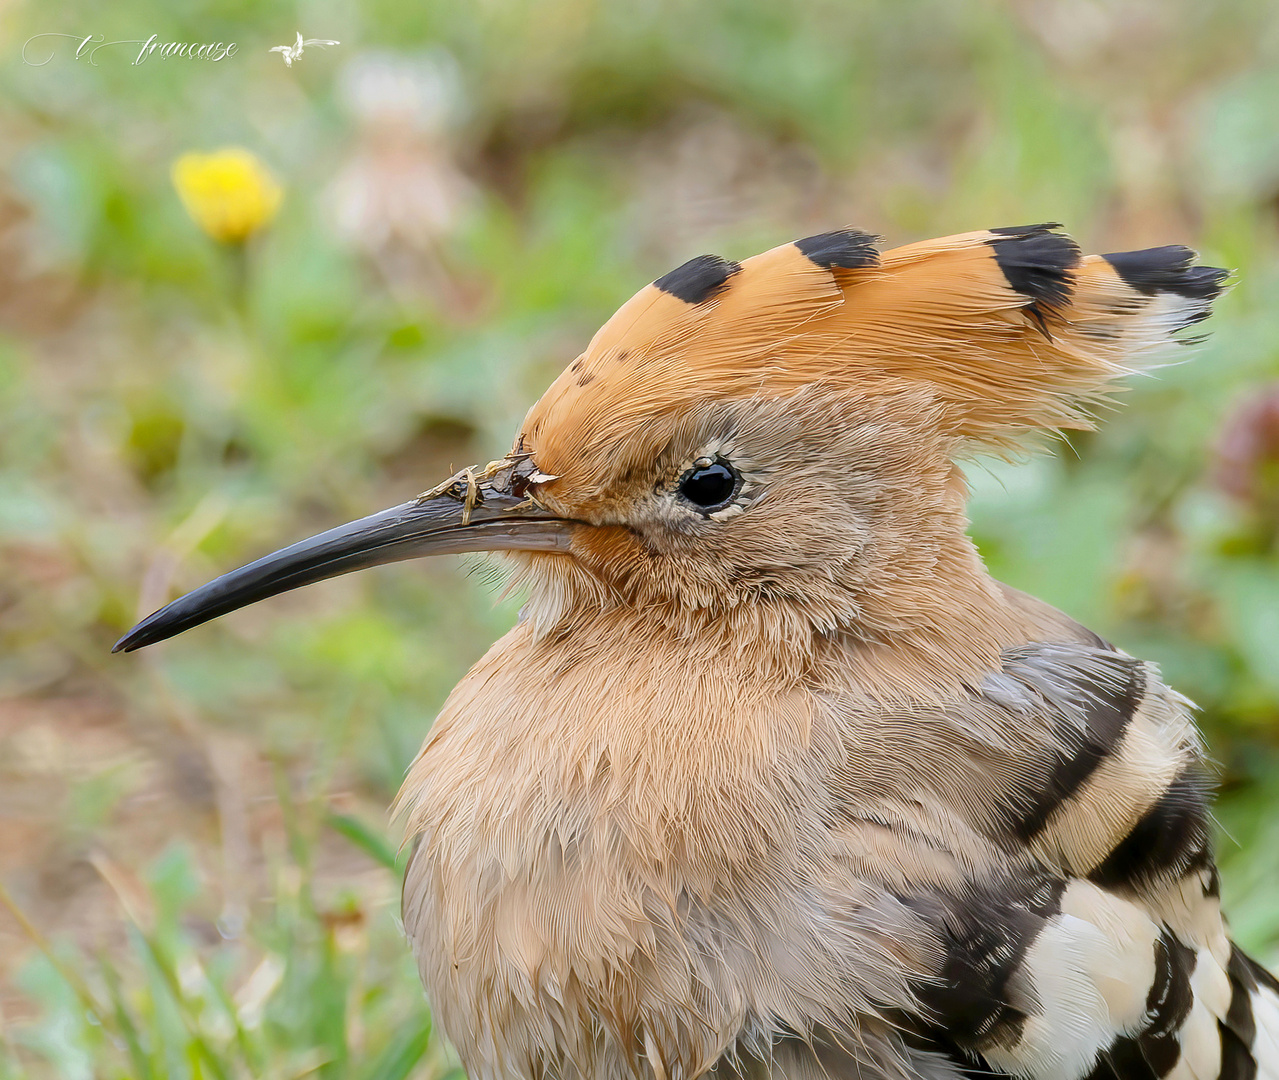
[(438, 525)]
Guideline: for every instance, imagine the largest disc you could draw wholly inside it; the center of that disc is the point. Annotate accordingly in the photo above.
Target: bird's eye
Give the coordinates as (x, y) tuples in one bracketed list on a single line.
[(710, 484)]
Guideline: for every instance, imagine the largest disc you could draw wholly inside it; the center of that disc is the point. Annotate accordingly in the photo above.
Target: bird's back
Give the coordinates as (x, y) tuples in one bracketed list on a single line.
[(1087, 940)]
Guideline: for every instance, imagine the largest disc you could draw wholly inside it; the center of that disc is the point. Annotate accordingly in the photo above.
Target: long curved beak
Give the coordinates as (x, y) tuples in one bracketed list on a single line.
[(463, 514)]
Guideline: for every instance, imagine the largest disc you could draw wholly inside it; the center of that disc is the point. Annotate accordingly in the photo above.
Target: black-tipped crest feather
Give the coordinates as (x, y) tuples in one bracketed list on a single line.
[(848, 249), (1168, 269), (699, 279)]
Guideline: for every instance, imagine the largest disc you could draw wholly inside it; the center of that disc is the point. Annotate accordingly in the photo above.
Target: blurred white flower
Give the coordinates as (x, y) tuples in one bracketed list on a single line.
[(421, 91), (402, 190)]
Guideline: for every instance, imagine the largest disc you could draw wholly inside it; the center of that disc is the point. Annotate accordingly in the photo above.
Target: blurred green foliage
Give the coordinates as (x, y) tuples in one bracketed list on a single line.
[(195, 834)]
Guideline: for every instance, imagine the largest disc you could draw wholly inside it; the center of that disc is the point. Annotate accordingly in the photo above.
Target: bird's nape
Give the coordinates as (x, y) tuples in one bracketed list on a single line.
[(488, 511)]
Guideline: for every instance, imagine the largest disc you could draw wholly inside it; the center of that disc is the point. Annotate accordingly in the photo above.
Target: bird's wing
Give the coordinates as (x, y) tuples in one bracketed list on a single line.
[(320, 43), (1082, 935)]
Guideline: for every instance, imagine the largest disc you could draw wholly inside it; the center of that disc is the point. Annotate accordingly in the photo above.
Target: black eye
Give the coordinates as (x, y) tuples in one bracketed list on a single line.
[(710, 485)]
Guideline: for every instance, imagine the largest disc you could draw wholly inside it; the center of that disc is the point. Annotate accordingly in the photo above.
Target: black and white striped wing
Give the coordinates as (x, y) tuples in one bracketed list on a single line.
[(1099, 951)]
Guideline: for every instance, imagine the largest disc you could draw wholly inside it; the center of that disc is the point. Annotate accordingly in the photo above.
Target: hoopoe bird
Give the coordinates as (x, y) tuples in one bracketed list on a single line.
[(771, 778)]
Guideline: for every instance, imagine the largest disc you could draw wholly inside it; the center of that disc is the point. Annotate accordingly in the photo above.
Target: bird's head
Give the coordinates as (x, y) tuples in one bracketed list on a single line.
[(777, 438)]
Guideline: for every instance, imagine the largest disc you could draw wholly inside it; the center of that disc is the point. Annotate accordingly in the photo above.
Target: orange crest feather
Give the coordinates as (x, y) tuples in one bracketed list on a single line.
[(1010, 329)]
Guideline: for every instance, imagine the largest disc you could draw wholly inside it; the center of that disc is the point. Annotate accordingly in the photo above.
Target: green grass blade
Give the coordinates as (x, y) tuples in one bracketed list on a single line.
[(372, 843), (124, 1019), (402, 1054)]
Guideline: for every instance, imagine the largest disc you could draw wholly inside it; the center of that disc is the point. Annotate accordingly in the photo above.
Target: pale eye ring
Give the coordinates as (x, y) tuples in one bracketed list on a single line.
[(710, 485)]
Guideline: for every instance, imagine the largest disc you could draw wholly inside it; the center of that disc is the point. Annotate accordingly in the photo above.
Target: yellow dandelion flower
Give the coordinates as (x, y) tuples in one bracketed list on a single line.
[(230, 194)]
